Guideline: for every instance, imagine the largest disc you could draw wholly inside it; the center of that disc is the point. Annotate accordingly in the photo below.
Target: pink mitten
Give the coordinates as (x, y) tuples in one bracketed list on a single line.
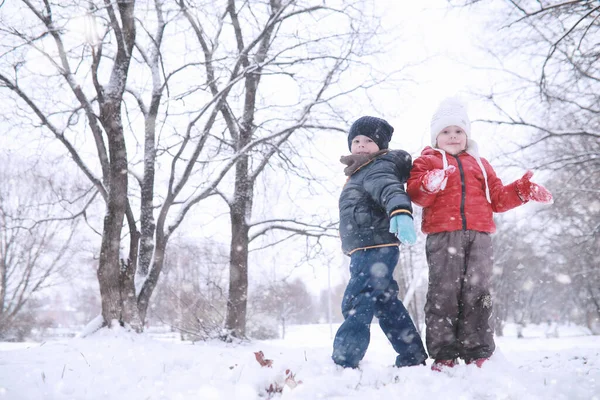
[(436, 179)]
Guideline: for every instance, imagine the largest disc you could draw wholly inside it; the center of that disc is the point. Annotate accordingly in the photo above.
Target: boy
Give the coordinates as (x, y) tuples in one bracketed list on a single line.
[(459, 193), (375, 216)]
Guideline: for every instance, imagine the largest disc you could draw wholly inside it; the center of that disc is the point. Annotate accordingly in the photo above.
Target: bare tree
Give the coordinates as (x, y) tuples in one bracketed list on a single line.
[(288, 302), (191, 295), (309, 60), (522, 279), (334, 300), (576, 242), (46, 37), (33, 249)]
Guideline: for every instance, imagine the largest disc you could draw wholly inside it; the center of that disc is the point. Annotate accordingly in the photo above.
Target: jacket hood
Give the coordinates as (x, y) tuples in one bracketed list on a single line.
[(473, 151), (429, 151)]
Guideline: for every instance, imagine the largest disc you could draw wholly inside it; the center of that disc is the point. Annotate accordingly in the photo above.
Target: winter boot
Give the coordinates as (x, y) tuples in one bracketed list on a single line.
[(477, 361), (439, 365)]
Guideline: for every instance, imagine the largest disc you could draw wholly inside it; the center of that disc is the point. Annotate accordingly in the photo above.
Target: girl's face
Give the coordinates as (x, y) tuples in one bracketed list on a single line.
[(362, 144), (452, 139)]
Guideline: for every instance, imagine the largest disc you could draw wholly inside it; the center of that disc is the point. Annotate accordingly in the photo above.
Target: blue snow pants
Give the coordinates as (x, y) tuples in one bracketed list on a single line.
[(372, 291)]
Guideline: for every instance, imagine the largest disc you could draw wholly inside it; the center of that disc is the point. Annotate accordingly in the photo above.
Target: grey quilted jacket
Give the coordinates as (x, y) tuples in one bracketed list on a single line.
[(373, 193)]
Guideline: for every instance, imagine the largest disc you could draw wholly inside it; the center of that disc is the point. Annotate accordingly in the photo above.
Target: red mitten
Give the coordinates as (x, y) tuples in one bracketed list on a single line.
[(528, 190), (436, 179)]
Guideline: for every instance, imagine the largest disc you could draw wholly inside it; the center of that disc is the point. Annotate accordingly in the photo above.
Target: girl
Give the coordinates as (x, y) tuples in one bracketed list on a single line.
[(459, 192)]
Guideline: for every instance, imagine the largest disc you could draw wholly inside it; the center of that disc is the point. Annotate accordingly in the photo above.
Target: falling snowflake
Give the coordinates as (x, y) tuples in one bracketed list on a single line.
[(528, 285), (562, 278), (379, 270)]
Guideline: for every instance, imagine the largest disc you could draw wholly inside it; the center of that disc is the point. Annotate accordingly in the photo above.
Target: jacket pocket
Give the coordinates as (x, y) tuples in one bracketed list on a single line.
[(362, 217)]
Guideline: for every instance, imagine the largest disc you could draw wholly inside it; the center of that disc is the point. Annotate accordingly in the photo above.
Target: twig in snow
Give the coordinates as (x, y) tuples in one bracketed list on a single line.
[(86, 361)]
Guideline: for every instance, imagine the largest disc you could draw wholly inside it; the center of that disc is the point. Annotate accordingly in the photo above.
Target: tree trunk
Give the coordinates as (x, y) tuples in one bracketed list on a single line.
[(109, 269), (146, 284), (115, 286), (128, 290), (235, 321), (154, 273), (241, 208), (147, 223)]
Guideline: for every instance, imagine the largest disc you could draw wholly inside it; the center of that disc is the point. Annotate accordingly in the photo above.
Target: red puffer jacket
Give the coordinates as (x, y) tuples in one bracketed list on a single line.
[(462, 205)]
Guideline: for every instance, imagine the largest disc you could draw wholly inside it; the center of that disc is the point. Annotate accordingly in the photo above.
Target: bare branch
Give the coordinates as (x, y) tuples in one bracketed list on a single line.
[(57, 133), (555, 45)]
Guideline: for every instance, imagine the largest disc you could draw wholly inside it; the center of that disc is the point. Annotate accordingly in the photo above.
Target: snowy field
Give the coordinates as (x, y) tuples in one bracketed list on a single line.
[(119, 365)]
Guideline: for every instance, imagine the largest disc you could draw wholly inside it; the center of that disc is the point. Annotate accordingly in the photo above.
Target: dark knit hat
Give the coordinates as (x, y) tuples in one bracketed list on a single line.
[(376, 128)]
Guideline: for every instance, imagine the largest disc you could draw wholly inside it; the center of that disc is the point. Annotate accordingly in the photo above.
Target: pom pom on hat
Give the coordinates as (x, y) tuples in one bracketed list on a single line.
[(451, 111), (376, 128)]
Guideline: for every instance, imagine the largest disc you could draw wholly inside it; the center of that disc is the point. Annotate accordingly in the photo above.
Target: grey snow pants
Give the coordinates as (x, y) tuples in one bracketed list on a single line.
[(459, 304)]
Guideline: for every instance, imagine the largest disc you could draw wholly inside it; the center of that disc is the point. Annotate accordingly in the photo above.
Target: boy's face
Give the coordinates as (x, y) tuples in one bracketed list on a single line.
[(362, 144), (452, 139)]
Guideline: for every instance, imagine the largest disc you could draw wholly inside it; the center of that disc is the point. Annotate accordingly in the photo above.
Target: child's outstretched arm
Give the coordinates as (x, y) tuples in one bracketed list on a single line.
[(519, 192)]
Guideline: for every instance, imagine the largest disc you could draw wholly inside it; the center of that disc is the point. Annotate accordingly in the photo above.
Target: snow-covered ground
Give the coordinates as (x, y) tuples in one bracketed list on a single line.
[(118, 365)]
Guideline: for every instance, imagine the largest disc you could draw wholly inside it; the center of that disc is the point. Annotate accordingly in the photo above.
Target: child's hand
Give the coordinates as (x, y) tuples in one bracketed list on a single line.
[(436, 179), (403, 227), (528, 190)]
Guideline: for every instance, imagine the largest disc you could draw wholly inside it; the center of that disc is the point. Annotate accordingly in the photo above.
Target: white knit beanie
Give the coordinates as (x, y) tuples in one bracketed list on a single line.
[(452, 111)]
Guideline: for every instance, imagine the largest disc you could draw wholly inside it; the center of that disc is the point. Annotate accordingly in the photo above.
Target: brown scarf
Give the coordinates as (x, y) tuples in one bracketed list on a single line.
[(356, 161)]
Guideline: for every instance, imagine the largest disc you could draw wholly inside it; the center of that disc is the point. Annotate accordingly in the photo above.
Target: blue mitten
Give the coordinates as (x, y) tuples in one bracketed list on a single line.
[(403, 227)]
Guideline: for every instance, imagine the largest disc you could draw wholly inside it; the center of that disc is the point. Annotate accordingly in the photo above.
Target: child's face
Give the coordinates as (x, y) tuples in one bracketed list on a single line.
[(362, 144), (452, 139)]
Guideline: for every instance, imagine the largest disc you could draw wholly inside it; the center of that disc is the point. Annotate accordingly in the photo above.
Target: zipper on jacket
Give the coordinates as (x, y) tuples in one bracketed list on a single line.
[(463, 193)]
